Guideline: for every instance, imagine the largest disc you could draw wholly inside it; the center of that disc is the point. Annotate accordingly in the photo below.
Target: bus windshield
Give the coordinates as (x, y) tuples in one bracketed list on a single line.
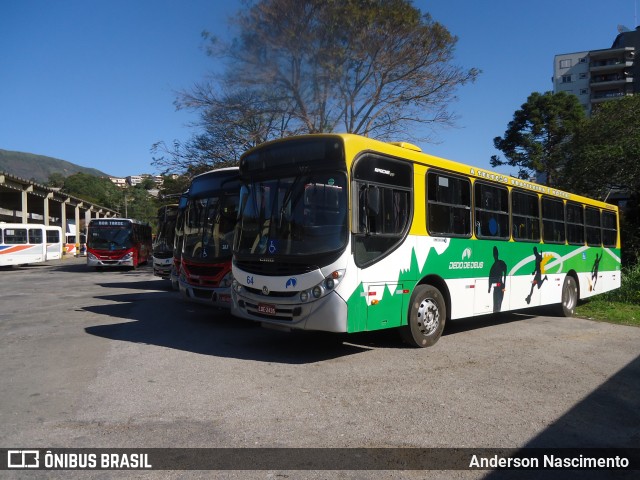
[(166, 229), (208, 231), (110, 238), (302, 214)]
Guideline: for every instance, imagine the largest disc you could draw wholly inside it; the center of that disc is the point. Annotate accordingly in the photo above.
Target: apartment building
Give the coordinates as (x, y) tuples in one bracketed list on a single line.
[(118, 181), (596, 76)]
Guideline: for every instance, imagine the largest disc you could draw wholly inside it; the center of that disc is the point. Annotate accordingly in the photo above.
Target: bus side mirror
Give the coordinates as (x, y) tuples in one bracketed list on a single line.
[(372, 202)]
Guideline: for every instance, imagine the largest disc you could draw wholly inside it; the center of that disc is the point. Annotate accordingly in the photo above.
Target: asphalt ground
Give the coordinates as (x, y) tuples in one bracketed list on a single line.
[(115, 359)]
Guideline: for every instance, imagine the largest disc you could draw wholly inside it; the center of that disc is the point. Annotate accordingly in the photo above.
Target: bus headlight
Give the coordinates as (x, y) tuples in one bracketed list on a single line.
[(235, 285), (128, 256), (327, 285), (333, 279), (91, 256)]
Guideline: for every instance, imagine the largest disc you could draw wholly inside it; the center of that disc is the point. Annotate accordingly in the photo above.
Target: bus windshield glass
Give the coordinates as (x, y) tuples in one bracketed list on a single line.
[(301, 214), (208, 231), (111, 237), (166, 229)]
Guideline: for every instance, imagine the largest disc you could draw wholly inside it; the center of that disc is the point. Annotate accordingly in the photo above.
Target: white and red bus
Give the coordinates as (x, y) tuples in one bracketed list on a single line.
[(115, 242), (209, 223), (177, 241)]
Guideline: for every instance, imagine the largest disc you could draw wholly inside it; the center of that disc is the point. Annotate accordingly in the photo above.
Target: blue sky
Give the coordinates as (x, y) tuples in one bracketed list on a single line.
[(93, 82)]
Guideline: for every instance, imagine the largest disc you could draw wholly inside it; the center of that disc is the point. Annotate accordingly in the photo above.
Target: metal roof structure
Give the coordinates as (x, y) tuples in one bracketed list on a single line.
[(24, 201)]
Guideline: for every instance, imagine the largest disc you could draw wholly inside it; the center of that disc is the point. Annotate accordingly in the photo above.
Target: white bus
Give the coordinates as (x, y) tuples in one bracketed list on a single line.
[(22, 243), (54, 243), (344, 233)]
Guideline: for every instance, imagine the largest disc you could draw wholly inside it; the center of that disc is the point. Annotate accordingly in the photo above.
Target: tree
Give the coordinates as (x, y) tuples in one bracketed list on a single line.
[(372, 67), (93, 189), (604, 158), (534, 139), (173, 186), (140, 205), (147, 183), (56, 180), (604, 153), (230, 124)]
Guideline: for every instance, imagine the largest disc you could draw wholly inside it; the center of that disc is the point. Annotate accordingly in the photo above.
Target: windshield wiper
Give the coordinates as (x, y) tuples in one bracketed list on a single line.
[(287, 198)]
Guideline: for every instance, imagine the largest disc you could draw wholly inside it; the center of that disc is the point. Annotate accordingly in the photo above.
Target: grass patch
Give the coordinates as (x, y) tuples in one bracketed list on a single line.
[(612, 312), (621, 306)]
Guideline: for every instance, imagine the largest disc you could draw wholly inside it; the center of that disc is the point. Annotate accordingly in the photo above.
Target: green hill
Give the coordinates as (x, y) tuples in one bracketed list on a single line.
[(38, 167)]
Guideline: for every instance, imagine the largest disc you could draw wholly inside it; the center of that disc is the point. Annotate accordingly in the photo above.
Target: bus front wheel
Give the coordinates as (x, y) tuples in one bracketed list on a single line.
[(427, 315), (569, 297)]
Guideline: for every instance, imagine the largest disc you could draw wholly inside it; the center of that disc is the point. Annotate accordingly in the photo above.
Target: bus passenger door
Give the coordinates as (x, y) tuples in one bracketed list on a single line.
[(385, 305), (490, 296)]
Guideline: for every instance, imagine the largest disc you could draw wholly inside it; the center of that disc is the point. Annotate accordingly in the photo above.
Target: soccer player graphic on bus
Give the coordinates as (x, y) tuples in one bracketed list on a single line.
[(594, 272), (497, 280), (537, 280)]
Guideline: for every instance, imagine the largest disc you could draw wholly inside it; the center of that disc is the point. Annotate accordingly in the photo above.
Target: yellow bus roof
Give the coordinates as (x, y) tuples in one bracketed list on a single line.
[(355, 144)]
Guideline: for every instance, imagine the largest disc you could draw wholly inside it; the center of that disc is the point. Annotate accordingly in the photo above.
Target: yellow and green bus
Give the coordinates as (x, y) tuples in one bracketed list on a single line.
[(344, 233)]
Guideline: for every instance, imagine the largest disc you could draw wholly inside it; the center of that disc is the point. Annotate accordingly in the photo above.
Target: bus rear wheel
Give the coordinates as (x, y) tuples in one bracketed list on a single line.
[(427, 315), (569, 297)]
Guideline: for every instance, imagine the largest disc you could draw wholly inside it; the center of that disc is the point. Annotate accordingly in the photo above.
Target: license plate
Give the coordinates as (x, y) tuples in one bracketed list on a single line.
[(266, 309)]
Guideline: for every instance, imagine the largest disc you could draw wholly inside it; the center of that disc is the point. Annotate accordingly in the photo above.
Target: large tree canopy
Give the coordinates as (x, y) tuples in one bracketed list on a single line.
[(604, 154), (134, 202), (374, 67), (603, 161), (534, 139)]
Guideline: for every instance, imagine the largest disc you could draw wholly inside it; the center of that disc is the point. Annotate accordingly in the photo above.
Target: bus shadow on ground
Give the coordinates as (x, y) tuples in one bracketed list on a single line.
[(159, 318), (156, 285), (80, 266), (462, 325), (607, 418)]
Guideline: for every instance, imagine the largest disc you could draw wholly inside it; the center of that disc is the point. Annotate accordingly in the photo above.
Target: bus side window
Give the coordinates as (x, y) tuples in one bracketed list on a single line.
[(593, 227), (35, 236), (575, 224), (383, 211), (553, 222), (448, 205), (525, 215), (491, 211), (609, 229)]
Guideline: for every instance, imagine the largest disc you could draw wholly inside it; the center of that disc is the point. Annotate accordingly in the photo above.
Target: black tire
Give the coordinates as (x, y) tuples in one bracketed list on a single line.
[(569, 297), (426, 317)]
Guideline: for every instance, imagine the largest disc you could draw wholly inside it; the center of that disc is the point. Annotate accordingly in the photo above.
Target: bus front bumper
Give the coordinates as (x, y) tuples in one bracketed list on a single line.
[(328, 313), (218, 297), (126, 261), (162, 267)]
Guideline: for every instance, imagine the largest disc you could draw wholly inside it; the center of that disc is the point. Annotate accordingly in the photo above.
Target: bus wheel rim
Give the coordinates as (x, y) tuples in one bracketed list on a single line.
[(428, 317), (569, 296)]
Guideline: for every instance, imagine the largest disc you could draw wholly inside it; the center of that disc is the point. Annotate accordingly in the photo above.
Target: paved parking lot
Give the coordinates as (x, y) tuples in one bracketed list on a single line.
[(116, 359)]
